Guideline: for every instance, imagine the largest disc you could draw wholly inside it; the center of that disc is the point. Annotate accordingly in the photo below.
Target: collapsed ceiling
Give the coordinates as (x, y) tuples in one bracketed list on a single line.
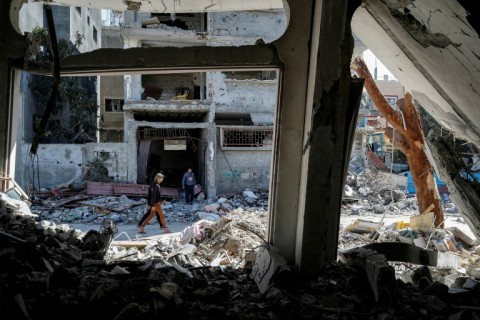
[(433, 48)]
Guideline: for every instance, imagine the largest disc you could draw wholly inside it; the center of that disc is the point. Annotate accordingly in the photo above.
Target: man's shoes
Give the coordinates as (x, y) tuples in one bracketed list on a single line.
[(166, 230), (141, 230)]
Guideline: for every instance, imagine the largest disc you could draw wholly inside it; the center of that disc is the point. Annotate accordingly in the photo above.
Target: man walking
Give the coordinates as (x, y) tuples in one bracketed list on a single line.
[(188, 184), (154, 206)]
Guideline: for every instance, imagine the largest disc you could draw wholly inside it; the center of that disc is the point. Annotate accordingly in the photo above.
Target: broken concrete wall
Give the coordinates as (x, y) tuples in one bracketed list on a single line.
[(61, 163), (170, 82), (113, 155), (245, 96), (242, 28), (56, 164), (243, 168)]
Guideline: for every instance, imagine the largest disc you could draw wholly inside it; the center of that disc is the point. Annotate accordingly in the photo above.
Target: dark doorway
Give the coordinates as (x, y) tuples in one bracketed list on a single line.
[(170, 152)]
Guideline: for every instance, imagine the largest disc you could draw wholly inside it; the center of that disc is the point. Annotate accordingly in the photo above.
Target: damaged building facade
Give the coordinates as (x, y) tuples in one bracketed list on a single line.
[(218, 123), (424, 43)]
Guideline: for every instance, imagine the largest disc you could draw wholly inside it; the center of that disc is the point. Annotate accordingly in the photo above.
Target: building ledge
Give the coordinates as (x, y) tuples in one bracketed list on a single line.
[(166, 106), (249, 82)]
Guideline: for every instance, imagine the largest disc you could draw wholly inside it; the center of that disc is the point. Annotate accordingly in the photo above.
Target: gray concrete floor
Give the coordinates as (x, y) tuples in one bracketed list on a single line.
[(152, 229)]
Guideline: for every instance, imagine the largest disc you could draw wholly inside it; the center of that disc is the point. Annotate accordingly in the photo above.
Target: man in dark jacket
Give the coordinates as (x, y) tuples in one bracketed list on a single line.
[(154, 206), (188, 184)]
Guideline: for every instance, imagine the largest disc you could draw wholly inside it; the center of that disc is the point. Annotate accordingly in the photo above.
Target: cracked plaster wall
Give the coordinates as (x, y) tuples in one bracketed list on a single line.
[(238, 170), (245, 28), (230, 95), (61, 163)]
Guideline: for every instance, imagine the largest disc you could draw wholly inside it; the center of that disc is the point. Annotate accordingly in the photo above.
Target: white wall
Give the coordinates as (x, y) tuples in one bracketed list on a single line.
[(61, 163), (57, 164), (79, 22), (248, 95), (238, 170), (116, 163), (31, 16), (244, 28)]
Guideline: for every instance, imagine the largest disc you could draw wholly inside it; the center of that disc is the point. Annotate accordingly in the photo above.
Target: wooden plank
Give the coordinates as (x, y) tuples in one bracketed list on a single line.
[(58, 203), (133, 190)]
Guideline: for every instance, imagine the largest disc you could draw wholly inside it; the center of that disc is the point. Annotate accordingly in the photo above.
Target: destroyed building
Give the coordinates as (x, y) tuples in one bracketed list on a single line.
[(431, 47), (218, 123)]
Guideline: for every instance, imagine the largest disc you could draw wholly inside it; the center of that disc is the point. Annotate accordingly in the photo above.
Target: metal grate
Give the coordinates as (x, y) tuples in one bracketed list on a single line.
[(166, 134), (249, 138)]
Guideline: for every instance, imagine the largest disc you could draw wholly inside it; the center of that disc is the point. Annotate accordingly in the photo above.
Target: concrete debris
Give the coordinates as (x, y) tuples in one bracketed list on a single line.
[(455, 248), (128, 210), (56, 274), (269, 267)]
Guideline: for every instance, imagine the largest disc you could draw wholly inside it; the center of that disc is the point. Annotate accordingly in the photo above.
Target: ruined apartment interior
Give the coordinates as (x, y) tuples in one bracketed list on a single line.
[(262, 99)]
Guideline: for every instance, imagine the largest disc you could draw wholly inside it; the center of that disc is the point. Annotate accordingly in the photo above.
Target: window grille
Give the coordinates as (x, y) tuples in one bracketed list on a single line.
[(247, 137)]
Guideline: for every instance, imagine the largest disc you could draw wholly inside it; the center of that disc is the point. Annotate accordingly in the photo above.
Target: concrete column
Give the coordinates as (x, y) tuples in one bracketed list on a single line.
[(292, 49), (210, 160), (132, 83), (331, 112), (130, 138), (313, 133), (132, 87)]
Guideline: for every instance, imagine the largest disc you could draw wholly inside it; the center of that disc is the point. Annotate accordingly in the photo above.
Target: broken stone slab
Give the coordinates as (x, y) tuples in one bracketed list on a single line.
[(473, 269), (462, 236), (420, 242), (268, 268), (119, 270), (250, 194), (380, 275), (208, 216), (424, 222), (465, 282), (447, 260), (362, 226), (441, 245), (129, 244)]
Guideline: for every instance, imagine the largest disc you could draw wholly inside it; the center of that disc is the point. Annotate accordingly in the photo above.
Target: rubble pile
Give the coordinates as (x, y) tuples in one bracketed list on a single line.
[(374, 192), (50, 271), (126, 210)]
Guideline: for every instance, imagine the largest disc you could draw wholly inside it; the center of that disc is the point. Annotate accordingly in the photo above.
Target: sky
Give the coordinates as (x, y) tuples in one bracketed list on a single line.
[(370, 58)]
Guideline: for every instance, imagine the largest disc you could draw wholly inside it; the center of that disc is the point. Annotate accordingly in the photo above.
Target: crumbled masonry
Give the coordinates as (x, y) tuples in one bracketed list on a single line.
[(204, 272)]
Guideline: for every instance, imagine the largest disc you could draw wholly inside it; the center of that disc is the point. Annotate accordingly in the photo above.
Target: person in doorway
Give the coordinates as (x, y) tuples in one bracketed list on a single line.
[(188, 184), (154, 206)]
